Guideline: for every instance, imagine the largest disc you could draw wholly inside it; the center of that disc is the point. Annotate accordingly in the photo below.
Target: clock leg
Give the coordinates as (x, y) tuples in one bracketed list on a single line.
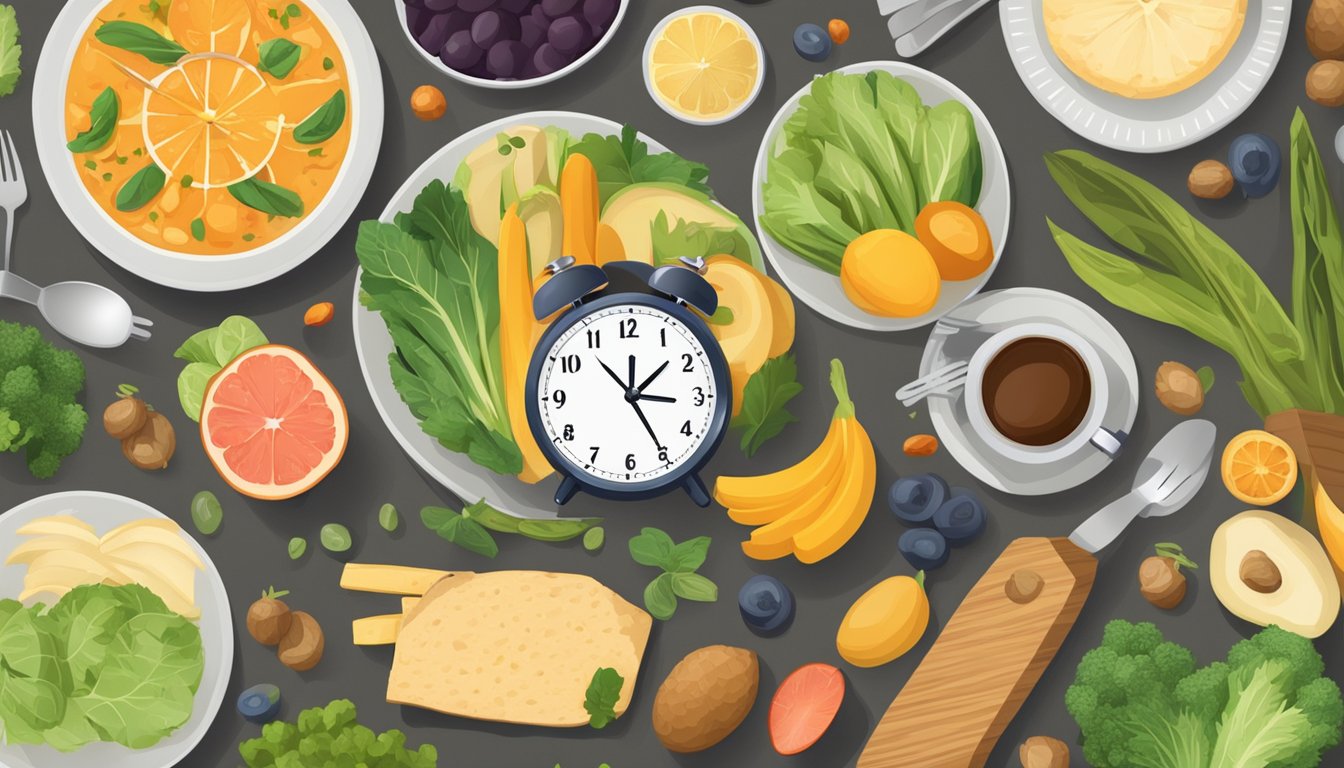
[(695, 488), (568, 487)]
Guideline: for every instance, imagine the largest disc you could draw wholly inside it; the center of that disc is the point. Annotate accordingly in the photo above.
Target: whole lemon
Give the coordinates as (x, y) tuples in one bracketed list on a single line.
[(890, 273)]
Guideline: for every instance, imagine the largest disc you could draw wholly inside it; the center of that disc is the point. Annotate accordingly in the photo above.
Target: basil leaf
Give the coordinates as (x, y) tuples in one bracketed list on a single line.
[(267, 197), (103, 118), (765, 401), (138, 38), (141, 188), (462, 531), (693, 586), (688, 555), (278, 57), (325, 121), (599, 701), (491, 518), (651, 547), (660, 599)]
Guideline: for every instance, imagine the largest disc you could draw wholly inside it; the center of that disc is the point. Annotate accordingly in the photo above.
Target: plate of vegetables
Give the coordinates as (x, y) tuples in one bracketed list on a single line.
[(882, 196), (151, 606), (434, 298)]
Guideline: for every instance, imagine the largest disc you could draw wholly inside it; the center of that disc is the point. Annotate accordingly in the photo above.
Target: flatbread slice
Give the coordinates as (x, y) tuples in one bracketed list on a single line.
[(516, 647)]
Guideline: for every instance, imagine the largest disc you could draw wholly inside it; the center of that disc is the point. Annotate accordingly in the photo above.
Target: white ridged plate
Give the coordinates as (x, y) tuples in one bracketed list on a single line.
[(1146, 125)]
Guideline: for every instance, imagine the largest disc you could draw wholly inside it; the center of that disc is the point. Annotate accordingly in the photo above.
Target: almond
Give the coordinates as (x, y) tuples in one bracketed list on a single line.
[(921, 445)]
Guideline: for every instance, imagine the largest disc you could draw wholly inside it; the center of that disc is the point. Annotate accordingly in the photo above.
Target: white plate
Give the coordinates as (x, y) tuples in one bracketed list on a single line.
[(648, 57), (1146, 125), (991, 312), (822, 291), (106, 511), (455, 471), (208, 273), (508, 85)]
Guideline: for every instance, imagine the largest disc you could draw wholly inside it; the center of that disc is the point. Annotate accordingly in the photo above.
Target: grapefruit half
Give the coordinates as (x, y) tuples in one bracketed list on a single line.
[(272, 424), (804, 707)]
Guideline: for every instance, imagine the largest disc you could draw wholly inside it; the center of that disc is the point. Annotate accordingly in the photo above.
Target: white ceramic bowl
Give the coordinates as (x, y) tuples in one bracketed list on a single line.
[(208, 273), (510, 85), (668, 108), (821, 291)]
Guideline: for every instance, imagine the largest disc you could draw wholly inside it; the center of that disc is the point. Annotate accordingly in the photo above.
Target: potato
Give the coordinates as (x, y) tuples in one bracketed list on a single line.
[(301, 647), (705, 697), (1325, 83), (1043, 752), (1325, 29)]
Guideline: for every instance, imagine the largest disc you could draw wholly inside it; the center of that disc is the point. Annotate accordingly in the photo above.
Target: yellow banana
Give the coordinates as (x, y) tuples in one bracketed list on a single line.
[(850, 507), (778, 492), (775, 540)]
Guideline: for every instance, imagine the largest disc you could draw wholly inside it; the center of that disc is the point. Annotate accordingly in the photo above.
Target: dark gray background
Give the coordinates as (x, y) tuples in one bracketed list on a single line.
[(250, 548)]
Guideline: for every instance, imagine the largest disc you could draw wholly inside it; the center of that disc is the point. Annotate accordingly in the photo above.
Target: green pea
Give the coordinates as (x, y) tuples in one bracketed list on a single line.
[(297, 546), (206, 513), (388, 518), (336, 537), (592, 540)]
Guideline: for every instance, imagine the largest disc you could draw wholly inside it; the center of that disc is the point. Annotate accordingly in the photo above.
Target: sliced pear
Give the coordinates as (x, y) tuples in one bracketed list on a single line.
[(172, 594), (167, 566), (28, 551), (59, 525), (169, 539)]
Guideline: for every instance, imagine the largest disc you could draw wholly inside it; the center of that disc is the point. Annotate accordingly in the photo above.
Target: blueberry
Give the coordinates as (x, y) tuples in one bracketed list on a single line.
[(923, 548), (260, 703), (961, 519), (914, 499), (812, 42), (1255, 162), (766, 604)]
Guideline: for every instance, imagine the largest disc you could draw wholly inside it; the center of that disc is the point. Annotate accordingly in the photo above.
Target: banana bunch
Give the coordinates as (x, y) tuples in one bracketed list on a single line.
[(65, 553), (811, 509)]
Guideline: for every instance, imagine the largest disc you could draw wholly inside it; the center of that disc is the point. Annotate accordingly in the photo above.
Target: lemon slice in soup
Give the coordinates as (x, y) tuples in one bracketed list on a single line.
[(212, 121), (217, 26)]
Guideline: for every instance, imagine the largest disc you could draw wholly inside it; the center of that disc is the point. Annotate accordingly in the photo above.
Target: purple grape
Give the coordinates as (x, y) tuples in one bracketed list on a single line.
[(540, 15), (600, 13), (413, 3), (568, 35), (436, 32), (492, 26), (417, 19), (505, 58), (476, 6), (516, 7), (460, 52), (440, 6), (548, 60), (557, 8), (532, 32)]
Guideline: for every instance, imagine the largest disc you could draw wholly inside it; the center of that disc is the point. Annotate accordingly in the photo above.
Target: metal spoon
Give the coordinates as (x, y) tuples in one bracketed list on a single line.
[(82, 312)]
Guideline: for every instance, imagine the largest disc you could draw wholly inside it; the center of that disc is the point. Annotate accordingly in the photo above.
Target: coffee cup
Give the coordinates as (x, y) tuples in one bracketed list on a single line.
[(1037, 393)]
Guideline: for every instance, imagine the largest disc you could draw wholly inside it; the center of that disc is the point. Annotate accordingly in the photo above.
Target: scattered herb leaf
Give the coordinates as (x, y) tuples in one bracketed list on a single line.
[(327, 63), (141, 188), (297, 547), (278, 57), (462, 531), (765, 402), (324, 122), (198, 229), (103, 116), (1206, 377), (594, 538), (388, 518), (335, 538), (138, 38), (208, 351), (653, 547), (267, 197), (604, 691)]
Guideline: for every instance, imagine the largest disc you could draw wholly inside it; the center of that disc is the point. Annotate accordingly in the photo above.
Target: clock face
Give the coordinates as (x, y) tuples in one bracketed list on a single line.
[(627, 394)]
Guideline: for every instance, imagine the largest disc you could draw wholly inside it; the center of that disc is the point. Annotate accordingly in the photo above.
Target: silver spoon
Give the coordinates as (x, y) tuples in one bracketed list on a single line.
[(82, 312)]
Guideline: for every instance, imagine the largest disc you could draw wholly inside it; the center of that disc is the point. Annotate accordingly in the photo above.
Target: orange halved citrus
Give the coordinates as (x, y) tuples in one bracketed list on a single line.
[(704, 65), (217, 26), (272, 424), (212, 118), (1259, 468)]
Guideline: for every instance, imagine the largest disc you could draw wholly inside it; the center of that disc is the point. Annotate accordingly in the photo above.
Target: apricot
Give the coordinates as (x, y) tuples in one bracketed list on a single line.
[(428, 103), (957, 238), (889, 273)]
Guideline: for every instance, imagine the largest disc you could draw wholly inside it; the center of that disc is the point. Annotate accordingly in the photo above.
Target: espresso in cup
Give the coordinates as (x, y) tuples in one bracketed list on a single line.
[(1036, 391)]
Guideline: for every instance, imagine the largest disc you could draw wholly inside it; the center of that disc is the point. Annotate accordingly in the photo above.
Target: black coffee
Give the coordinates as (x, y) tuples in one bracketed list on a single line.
[(1036, 391)]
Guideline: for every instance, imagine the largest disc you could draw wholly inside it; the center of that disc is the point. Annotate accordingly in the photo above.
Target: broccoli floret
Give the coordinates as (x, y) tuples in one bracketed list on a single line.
[(39, 410)]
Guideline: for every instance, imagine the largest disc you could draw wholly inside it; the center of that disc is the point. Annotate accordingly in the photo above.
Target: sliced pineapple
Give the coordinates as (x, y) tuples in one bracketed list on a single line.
[(1143, 49)]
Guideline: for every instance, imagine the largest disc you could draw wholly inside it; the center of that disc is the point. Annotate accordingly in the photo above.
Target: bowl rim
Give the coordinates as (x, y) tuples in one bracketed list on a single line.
[(690, 119), (115, 242), (512, 85)]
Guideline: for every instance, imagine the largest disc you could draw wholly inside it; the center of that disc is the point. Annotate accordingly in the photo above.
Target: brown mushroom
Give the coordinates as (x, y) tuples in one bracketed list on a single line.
[(154, 445), (269, 619), (125, 417), (301, 647), (1043, 752), (1160, 579)]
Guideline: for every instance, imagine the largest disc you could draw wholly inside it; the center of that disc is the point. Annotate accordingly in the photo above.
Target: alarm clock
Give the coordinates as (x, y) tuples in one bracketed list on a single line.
[(628, 393)]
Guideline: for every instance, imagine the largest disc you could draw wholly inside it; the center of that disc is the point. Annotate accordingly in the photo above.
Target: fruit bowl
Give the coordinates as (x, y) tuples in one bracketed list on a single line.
[(484, 82)]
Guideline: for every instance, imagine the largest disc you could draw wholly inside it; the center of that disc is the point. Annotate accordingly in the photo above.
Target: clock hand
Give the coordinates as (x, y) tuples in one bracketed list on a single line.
[(631, 385), (652, 376), (640, 412), (614, 377), (657, 398)]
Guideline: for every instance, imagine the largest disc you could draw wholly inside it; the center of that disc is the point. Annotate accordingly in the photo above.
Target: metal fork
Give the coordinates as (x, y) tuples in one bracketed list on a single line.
[(87, 313)]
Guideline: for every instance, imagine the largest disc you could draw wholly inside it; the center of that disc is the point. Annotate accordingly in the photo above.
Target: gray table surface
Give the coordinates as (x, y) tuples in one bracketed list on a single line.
[(250, 547)]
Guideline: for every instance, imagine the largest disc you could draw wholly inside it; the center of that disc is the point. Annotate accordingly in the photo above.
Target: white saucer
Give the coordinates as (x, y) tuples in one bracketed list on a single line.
[(991, 312)]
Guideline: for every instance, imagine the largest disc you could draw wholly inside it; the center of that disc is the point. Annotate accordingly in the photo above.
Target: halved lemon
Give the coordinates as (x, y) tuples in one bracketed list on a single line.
[(211, 121), (704, 66), (1143, 49), (1259, 468)]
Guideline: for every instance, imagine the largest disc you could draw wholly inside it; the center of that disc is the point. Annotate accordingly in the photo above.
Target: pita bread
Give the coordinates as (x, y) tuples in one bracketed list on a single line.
[(516, 647)]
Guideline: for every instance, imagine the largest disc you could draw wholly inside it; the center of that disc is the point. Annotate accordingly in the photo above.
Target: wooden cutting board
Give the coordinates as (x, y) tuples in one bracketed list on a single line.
[(986, 660)]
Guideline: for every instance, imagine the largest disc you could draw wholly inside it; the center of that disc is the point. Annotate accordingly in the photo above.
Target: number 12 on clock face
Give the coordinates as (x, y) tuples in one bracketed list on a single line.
[(626, 395)]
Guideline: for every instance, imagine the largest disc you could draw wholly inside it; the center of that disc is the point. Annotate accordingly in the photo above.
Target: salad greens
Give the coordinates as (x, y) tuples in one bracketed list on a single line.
[(40, 413), (1185, 275), (863, 152), (1142, 703), (9, 50), (207, 352), (624, 160), (679, 563), (332, 736), (103, 664)]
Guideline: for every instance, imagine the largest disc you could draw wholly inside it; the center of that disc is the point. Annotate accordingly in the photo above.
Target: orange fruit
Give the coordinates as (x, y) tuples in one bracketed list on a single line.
[(211, 121), (272, 424), (704, 65), (804, 707), (1259, 468)]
